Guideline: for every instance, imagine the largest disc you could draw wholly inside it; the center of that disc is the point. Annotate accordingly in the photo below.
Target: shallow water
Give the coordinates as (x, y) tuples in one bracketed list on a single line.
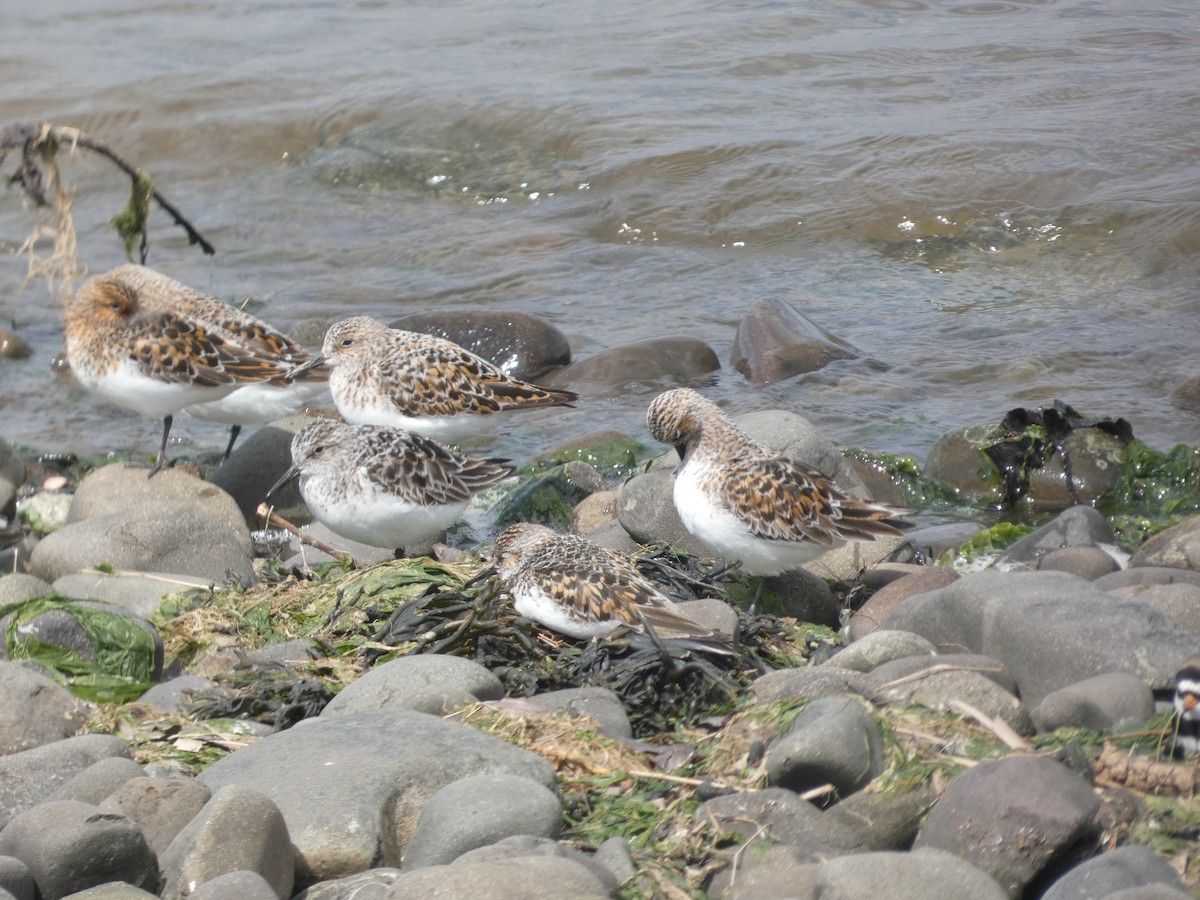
[(996, 203)]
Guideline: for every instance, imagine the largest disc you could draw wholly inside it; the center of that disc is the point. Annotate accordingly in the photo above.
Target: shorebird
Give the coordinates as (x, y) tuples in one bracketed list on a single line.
[(1187, 708), (747, 503), (423, 383), (577, 588)]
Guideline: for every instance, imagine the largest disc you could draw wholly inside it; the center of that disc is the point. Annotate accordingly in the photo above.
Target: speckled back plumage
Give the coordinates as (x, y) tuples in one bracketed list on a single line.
[(759, 494), (591, 586), (379, 369)]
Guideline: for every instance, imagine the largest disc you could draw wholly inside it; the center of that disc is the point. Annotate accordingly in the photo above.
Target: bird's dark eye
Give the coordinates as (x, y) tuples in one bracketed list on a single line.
[(318, 450), (347, 342)]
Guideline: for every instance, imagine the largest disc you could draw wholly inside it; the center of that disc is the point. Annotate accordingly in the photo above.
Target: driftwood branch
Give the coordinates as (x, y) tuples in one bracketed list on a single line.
[(1145, 775), (36, 143)]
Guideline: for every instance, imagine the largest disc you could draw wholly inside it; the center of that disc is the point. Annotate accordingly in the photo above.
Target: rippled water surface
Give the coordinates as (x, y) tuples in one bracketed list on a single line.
[(996, 203)]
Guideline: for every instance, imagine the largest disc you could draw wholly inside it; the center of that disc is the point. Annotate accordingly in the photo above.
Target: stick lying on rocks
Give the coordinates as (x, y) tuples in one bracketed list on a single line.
[(279, 522)]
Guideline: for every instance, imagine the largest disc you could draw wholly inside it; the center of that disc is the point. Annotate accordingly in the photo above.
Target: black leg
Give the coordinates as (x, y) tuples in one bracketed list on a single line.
[(162, 450), (234, 431)]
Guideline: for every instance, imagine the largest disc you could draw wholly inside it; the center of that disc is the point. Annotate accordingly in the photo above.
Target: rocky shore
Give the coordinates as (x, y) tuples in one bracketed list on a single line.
[(198, 707)]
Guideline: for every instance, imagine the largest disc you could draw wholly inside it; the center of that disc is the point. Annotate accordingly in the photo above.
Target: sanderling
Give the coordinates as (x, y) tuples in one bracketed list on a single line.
[(140, 340), (384, 486), (251, 404), (423, 383), (747, 503), (579, 589)]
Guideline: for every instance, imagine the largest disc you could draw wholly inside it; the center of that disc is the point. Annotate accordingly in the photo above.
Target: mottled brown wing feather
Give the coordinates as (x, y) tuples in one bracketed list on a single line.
[(429, 473), (178, 350)]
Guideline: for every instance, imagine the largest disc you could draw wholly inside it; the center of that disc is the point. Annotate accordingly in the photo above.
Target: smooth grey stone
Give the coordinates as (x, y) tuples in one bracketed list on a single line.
[(428, 682), (795, 436), (180, 538), (1102, 702), (59, 628), (872, 614), (780, 870), (119, 488), (936, 540), (12, 476), (16, 881), (775, 341), (834, 740), (1139, 575), (238, 829), (523, 345), (527, 877), (551, 495), (240, 884), (805, 596), (778, 815), (660, 358), (397, 758), (99, 780), (305, 556), (1180, 601), (70, 846), (879, 647), (1013, 817), (1079, 526), (613, 536), (1132, 866), (646, 510), (810, 681), (901, 671), (845, 562), (17, 587), (36, 710), (919, 875), (137, 593), (533, 846), (29, 777), (712, 613), (1151, 892), (881, 820), (257, 462), (616, 855), (1088, 563), (602, 704), (114, 890), (480, 810), (160, 806), (594, 512), (946, 691), (169, 696), (1049, 629), (372, 884), (292, 653)]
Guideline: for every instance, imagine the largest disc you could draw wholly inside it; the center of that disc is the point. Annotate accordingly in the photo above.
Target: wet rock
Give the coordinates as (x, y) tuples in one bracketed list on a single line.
[(656, 359), (137, 593), (36, 709), (804, 596), (957, 459), (1143, 575), (16, 881), (1104, 702), (477, 811), (12, 476), (601, 704), (181, 538), (1177, 547), (70, 846), (1014, 818), (524, 346), (529, 877), (351, 786), (64, 624), (834, 740), (1131, 866), (797, 437), (934, 540), (13, 346), (1079, 526), (1088, 563), (239, 829), (846, 562), (811, 681), (1180, 601), (428, 682), (257, 462), (777, 815), (872, 614), (369, 885), (99, 780), (774, 341), (241, 884), (161, 807), (1049, 629), (31, 776), (551, 497), (879, 647), (918, 875)]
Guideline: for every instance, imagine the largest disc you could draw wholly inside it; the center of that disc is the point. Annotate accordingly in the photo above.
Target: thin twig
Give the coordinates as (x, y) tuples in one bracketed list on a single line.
[(279, 522)]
